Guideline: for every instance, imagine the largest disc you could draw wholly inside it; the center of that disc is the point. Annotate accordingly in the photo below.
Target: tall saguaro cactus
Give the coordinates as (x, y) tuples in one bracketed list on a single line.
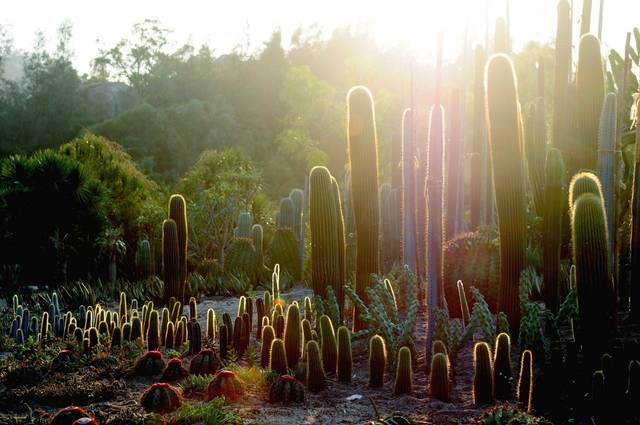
[(635, 228), (554, 206), (178, 213), (504, 125), (325, 248), (435, 175), (408, 192), (561, 76), (606, 163), (589, 99), (454, 154), (338, 287), (363, 158), (479, 179), (170, 260)]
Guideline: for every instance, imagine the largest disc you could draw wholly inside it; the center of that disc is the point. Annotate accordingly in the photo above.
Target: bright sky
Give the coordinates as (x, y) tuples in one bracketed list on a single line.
[(223, 23)]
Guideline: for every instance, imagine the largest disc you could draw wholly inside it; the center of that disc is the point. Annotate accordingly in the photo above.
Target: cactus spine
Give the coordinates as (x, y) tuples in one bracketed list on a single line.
[(439, 379), (596, 299), (377, 361), (345, 362), (363, 160), (524, 390), (554, 205), (178, 213), (404, 372), (316, 379), (504, 122), (268, 336), (483, 374)]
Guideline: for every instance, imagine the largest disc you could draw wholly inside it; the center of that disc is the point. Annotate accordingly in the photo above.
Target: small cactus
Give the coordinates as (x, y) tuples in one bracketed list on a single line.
[(502, 370), (225, 384), (598, 396), (278, 357), (483, 374), (345, 362), (293, 335), (149, 363), (439, 379), (404, 372), (286, 389), (306, 332), (211, 324), (68, 415), (279, 324), (316, 379), (238, 336), (439, 347), (377, 361), (169, 337), (161, 398), (259, 315), (464, 306), (328, 345), (174, 371), (524, 389), (206, 362), (153, 333), (164, 323), (224, 341), (195, 337), (633, 383), (268, 335), (193, 308), (180, 334)]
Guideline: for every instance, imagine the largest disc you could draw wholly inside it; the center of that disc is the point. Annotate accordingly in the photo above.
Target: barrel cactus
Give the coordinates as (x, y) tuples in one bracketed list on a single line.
[(286, 389), (174, 371), (206, 362), (68, 415), (225, 384), (161, 398), (149, 363)]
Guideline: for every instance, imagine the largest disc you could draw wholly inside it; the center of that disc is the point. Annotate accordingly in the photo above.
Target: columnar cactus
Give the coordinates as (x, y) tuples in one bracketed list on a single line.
[(241, 258), (596, 297), (278, 357), (598, 399), (590, 82), (439, 379), (483, 374), (504, 122), (345, 362), (161, 398), (224, 341), (149, 363), (552, 217), (259, 315), (293, 336), (286, 389), (454, 181), (193, 308), (169, 337), (606, 162), (284, 251), (174, 371), (535, 147), (502, 370), (464, 306), (206, 362), (211, 324), (435, 231), (180, 335), (377, 361), (562, 71), (245, 224), (328, 345), (143, 259), (268, 336), (170, 259), (404, 373), (524, 389), (238, 331), (363, 160), (178, 213), (164, 322), (338, 287), (325, 264), (438, 347), (501, 37), (225, 384), (122, 307), (581, 183), (478, 167), (408, 192), (153, 333), (316, 380), (195, 337)]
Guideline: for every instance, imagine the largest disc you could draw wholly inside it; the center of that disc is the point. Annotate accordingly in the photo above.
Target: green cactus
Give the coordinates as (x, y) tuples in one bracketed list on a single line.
[(483, 374), (178, 213), (524, 389), (293, 335), (174, 371), (478, 169), (225, 384), (206, 362), (596, 296), (439, 378), (195, 337), (241, 258), (164, 322), (464, 306), (259, 316), (238, 336), (245, 224), (338, 287), (328, 345), (226, 319), (278, 357), (606, 162), (377, 361), (599, 397), (193, 308), (286, 389), (161, 398), (176, 311), (581, 183), (170, 259), (211, 324), (306, 332), (323, 220), (153, 333), (502, 371), (439, 347), (180, 335), (504, 123), (169, 337), (535, 145), (552, 217), (404, 373), (345, 362), (268, 336), (143, 260), (501, 37), (590, 84), (363, 160), (633, 391), (224, 341), (286, 217), (284, 251), (122, 307), (316, 379), (257, 234), (562, 70), (149, 363)]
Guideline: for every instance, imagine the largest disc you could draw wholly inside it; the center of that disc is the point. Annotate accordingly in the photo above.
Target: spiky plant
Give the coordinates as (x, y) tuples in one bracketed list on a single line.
[(377, 361), (178, 213), (345, 362), (224, 341), (194, 333), (161, 398), (328, 345), (483, 374), (278, 357), (404, 373), (68, 415), (171, 259), (293, 336), (286, 389), (316, 379), (439, 379), (211, 324), (206, 362), (524, 389), (150, 363), (225, 384), (502, 370), (268, 335), (174, 371)]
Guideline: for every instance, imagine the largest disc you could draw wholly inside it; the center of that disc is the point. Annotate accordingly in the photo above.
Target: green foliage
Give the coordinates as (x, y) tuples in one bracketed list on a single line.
[(195, 384), (213, 412), (507, 415)]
